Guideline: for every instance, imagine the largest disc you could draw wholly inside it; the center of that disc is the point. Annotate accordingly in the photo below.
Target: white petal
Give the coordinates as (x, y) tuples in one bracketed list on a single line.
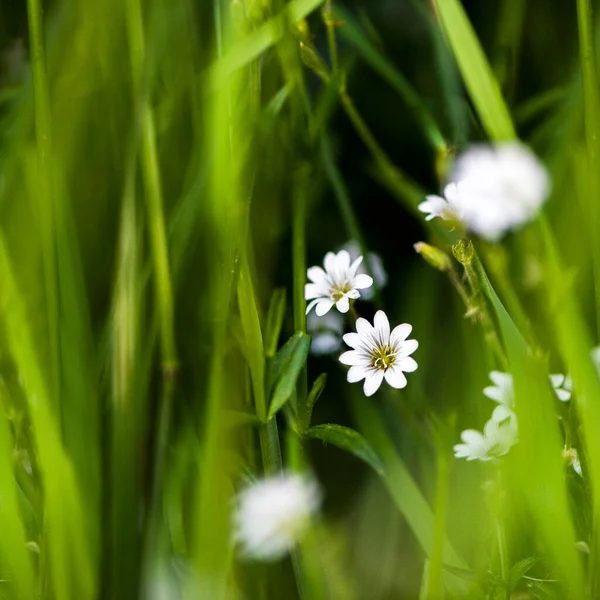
[(407, 364), (314, 290), (382, 327), (372, 382), (354, 266), (352, 339), (395, 377), (557, 380), (407, 347), (343, 304), (311, 304), (329, 262), (501, 379), (563, 395), (323, 306), (352, 294), (471, 436), (316, 275), (354, 357), (357, 373), (342, 261), (364, 329), (362, 281), (400, 333)]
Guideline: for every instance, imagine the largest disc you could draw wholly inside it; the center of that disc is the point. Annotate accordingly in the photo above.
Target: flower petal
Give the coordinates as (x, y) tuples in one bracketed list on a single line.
[(556, 380), (407, 347), (353, 357), (311, 304), (400, 333), (494, 393), (395, 377), (471, 436), (342, 261), (314, 290), (353, 340), (382, 327), (407, 364), (343, 304), (372, 382), (563, 395), (362, 281), (354, 266), (365, 330), (357, 373), (316, 274), (329, 262), (323, 306)]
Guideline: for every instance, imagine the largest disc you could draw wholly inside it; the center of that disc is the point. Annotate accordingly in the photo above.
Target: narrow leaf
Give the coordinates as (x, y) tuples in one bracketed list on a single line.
[(274, 321), (349, 440), (286, 367)]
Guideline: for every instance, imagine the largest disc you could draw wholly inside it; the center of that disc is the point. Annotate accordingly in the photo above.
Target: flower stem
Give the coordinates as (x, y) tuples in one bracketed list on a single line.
[(330, 24)]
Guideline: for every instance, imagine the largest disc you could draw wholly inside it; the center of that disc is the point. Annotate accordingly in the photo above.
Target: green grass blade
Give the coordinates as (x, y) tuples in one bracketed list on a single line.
[(477, 74)]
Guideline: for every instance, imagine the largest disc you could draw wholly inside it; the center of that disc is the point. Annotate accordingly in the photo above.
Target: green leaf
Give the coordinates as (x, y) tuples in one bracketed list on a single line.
[(253, 45), (518, 570), (286, 367), (274, 321), (239, 418), (316, 390), (477, 74), (349, 440)]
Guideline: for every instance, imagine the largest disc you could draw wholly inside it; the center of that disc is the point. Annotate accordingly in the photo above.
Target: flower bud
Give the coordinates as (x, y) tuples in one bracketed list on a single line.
[(434, 256), (464, 252)]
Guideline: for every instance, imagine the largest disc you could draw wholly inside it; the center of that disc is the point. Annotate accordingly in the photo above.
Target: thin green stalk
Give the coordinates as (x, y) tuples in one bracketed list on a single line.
[(43, 131), (330, 24), (160, 264), (435, 583), (591, 102)]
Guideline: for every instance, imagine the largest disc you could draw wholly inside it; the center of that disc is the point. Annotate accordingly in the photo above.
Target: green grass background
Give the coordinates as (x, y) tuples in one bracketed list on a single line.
[(168, 170)]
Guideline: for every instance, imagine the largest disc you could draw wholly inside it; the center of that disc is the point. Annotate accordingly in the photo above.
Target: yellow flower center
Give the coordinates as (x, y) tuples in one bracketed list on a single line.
[(383, 357)]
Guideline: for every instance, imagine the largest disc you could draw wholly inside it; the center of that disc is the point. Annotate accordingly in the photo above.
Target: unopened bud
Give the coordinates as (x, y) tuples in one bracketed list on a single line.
[(434, 256), (312, 60), (464, 252)]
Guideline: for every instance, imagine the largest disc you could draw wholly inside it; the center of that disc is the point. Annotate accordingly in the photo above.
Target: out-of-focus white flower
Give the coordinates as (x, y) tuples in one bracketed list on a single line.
[(273, 514), (503, 389), (499, 435), (562, 385), (375, 265), (378, 353), (336, 285), (326, 332), (571, 456), (497, 189)]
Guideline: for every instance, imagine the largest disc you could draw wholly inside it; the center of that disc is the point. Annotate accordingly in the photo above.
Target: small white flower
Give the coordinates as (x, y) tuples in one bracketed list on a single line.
[(326, 332), (272, 515), (336, 285), (499, 435), (375, 265), (562, 386), (498, 188), (503, 389), (446, 207), (378, 353)]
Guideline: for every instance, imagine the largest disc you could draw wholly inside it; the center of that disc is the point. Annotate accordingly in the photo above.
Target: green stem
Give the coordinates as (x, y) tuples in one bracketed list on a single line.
[(591, 101), (43, 130), (330, 24), (270, 447)]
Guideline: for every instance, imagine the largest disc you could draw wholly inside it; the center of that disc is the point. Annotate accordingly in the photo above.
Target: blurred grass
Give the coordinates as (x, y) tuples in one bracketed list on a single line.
[(165, 168)]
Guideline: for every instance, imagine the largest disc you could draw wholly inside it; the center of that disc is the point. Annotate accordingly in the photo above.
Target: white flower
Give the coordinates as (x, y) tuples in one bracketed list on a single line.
[(498, 188), (378, 353), (375, 265), (326, 332), (272, 515), (503, 389), (337, 284), (499, 435), (562, 385), (446, 207)]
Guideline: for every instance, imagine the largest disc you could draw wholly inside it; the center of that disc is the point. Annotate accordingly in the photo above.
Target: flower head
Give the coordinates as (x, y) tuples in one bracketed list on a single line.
[(326, 332), (562, 386), (272, 514), (571, 457), (499, 435), (497, 188), (503, 389), (375, 265), (336, 285), (379, 353)]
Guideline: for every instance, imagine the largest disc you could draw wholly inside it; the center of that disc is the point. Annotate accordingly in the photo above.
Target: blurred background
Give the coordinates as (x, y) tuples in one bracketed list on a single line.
[(159, 161)]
